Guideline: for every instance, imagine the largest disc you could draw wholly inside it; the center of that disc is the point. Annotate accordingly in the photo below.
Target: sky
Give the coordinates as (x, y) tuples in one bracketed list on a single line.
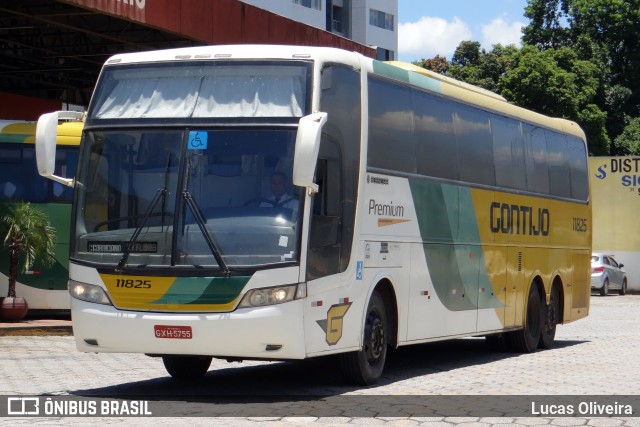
[(435, 27)]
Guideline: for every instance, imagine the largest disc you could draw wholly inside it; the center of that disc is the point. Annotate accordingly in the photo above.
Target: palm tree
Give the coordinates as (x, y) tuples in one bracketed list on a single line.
[(28, 236)]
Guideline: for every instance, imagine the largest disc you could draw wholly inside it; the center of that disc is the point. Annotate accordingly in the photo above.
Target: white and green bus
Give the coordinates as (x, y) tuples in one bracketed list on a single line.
[(414, 209), (44, 288)]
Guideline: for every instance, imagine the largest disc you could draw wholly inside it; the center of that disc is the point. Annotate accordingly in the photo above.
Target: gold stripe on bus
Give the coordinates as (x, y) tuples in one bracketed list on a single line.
[(142, 292), (124, 289), (185, 308), (384, 222), (505, 218)]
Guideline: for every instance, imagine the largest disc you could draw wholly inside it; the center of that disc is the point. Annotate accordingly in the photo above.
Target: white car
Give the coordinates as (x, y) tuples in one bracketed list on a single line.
[(607, 274)]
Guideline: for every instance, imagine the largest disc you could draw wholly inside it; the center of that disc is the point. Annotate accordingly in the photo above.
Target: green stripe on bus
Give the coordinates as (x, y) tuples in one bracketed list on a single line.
[(452, 246), (14, 138), (405, 76), (203, 290)]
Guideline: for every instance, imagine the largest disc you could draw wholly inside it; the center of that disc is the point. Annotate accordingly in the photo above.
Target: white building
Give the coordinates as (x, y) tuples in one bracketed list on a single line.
[(368, 22)]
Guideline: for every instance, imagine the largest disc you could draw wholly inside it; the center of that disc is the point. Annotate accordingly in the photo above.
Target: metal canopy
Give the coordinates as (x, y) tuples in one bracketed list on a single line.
[(53, 50)]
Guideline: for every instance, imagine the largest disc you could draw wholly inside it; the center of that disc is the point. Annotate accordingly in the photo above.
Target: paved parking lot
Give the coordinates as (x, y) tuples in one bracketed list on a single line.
[(597, 357)]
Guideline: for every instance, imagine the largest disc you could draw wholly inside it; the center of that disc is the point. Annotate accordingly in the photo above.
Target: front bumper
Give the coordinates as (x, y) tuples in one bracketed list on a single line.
[(271, 332)]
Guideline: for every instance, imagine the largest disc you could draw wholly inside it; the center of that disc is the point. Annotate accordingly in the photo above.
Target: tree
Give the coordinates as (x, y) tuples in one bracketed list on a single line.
[(481, 68), (548, 28), (557, 83), (607, 34), (612, 28), (467, 53), (474, 65), (28, 236), (629, 140), (437, 64)]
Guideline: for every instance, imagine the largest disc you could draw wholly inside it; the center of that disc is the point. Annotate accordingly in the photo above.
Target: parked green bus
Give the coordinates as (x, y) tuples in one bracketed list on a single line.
[(44, 289)]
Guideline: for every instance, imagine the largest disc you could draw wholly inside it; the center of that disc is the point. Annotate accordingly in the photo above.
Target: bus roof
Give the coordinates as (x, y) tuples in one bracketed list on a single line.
[(407, 73), (437, 76), (230, 52)]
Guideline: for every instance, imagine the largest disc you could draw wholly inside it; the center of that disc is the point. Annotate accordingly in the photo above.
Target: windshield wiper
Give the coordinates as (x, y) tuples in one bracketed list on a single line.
[(214, 247), (160, 193)]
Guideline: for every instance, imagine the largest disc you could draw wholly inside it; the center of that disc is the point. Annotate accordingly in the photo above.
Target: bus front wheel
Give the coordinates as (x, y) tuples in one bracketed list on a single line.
[(365, 367), (187, 367)]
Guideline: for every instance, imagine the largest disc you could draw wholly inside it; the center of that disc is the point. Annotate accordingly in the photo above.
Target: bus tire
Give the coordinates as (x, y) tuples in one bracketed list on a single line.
[(526, 340), (552, 316), (187, 367), (365, 367)]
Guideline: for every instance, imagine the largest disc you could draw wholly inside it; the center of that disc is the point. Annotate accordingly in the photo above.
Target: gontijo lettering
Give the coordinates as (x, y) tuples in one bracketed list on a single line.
[(516, 219)]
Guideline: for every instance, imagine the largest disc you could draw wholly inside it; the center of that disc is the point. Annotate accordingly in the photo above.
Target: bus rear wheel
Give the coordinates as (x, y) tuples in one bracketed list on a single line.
[(526, 340), (187, 367), (551, 319), (365, 367)]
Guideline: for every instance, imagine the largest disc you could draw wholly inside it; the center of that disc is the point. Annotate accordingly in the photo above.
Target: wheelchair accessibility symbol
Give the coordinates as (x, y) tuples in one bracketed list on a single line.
[(198, 140)]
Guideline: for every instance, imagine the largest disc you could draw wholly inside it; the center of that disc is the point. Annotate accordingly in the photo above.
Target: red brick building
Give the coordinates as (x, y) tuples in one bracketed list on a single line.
[(51, 50)]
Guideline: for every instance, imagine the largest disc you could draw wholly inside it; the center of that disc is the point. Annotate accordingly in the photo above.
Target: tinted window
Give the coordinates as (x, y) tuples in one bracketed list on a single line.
[(391, 144), (578, 165), (338, 163), (475, 146), (435, 141), (19, 178), (508, 153), (559, 170), (536, 159)]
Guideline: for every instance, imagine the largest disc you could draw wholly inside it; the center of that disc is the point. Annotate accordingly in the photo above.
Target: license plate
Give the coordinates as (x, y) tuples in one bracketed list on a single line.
[(173, 332)]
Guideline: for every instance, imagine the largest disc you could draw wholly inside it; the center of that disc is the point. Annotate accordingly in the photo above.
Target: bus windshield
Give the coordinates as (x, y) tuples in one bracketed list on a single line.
[(188, 164), (205, 198)]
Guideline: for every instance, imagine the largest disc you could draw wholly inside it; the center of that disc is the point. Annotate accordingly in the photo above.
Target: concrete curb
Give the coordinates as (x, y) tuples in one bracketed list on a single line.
[(37, 326), (35, 330)]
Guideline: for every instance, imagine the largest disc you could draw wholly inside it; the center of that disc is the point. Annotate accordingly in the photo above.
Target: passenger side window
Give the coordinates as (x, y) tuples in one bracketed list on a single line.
[(559, 169), (508, 153), (391, 144), (475, 146), (436, 151), (536, 159), (576, 152)]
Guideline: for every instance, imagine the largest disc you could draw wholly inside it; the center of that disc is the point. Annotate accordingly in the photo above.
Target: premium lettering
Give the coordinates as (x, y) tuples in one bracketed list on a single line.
[(382, 209)]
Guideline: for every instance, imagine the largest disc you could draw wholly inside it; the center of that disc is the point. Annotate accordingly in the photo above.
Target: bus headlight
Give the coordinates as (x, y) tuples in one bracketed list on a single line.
[(90, 293), (275, 295)]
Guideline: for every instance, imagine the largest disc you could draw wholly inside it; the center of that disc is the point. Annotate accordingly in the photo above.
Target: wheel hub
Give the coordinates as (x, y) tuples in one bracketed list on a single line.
[(376, 339)]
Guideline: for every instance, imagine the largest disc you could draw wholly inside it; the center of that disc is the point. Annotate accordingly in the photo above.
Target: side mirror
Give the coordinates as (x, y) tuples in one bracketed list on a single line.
[(307, 147), (46, 134), (620, 265)]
